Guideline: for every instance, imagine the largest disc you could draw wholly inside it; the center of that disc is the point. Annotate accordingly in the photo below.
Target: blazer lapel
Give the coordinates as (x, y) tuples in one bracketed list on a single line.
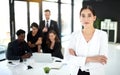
[(51, 23)]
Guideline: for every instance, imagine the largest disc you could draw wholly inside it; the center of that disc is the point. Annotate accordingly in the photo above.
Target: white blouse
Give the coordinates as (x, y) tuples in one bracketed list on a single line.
[(98, 45)]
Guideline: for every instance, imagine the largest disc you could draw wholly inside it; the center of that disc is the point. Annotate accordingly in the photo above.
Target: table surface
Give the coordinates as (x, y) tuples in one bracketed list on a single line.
[(37, 68)]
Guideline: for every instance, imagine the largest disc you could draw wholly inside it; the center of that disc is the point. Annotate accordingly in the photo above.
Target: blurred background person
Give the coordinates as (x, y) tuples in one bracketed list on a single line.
[(53, 45), (34, 38), (47, 25), (18, 49)]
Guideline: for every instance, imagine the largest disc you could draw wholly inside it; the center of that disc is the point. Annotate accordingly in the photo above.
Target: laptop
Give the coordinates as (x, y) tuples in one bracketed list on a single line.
[(42, 57)]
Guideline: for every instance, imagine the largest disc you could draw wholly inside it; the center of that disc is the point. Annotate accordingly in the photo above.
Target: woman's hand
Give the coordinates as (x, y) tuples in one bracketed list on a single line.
[(27, 55), (39, 41), (72, 52), (45, 29), (39, 49), (52, 44), (99, 58), (31, 45)]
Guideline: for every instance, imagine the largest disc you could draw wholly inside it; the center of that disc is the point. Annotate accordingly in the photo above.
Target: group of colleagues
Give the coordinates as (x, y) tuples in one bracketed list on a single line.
[(42, 38), (87, 49)]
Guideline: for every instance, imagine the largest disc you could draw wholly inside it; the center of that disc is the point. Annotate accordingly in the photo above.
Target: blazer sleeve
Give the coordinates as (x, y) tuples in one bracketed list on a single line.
[(10, 54), (56, 28), (56, 51), (42, 25), (28, 49)]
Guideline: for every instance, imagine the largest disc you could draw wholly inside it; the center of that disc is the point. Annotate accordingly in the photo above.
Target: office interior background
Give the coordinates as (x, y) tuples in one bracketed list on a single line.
[(19, 14)]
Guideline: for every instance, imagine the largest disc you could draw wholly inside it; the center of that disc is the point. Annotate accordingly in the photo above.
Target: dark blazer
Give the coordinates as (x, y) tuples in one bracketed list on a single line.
[(53, 26), (15, 50), (56, 51), (33, 39)]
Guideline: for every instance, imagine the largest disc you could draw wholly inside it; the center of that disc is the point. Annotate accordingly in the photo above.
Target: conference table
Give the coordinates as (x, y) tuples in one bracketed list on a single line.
[(57, 68)]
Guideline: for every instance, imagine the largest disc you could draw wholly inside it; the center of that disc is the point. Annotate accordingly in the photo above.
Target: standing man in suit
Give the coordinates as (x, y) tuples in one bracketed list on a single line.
[(47, 25)]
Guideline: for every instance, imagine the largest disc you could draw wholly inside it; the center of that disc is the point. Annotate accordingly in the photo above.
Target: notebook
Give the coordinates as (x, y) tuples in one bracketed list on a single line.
[(56, 65), (42, 57)]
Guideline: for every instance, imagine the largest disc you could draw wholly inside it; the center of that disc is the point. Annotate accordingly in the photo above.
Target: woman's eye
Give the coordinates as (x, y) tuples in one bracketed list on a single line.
[(89, 15), (83, 15)]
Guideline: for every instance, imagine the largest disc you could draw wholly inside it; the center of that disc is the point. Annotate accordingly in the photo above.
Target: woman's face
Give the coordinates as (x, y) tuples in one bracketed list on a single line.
[(52, 36), (34, 30), (87, 18)]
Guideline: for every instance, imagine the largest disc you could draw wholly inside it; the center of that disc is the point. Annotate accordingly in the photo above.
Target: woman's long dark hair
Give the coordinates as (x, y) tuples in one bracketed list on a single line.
[(48, 42)]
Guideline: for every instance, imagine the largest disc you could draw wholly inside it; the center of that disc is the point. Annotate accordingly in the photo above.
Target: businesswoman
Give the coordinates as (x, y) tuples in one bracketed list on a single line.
[(53, 45), (88, 47), (34, 38)]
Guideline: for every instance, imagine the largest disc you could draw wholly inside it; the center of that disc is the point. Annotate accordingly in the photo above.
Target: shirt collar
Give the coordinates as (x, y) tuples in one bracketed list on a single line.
[(47, 20)]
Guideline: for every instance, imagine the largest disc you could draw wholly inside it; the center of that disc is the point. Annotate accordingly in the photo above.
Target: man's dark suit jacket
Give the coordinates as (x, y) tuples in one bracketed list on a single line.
[(53, 26), (15, 50)]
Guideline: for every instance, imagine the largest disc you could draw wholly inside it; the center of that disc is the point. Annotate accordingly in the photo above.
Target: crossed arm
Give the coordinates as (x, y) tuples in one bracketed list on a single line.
[(38, 43), (98, 58)]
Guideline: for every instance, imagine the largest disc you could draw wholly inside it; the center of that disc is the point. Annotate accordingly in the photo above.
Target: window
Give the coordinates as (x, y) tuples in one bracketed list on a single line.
[(66, 1), (65, 19), (53, 7), (34, 12), (5, 27), (21, 16), (78, 5)]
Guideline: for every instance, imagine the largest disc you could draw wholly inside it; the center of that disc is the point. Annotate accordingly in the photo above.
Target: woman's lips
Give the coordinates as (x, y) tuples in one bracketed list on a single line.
[(86, 23)]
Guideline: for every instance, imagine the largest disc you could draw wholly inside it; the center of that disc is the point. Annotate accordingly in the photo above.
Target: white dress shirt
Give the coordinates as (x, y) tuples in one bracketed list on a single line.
[(48, 22), (98, 45)]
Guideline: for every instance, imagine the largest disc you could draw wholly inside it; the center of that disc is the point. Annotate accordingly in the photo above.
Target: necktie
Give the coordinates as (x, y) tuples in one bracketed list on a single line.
[(47, 24)]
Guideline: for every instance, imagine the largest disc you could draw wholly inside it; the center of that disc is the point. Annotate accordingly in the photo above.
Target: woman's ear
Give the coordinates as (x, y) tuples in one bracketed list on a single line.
[(94, 18)]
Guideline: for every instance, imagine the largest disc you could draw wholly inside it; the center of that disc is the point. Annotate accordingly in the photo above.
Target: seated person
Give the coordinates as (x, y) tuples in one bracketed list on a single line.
[(18, 49), (34, 38), (53, 45)]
